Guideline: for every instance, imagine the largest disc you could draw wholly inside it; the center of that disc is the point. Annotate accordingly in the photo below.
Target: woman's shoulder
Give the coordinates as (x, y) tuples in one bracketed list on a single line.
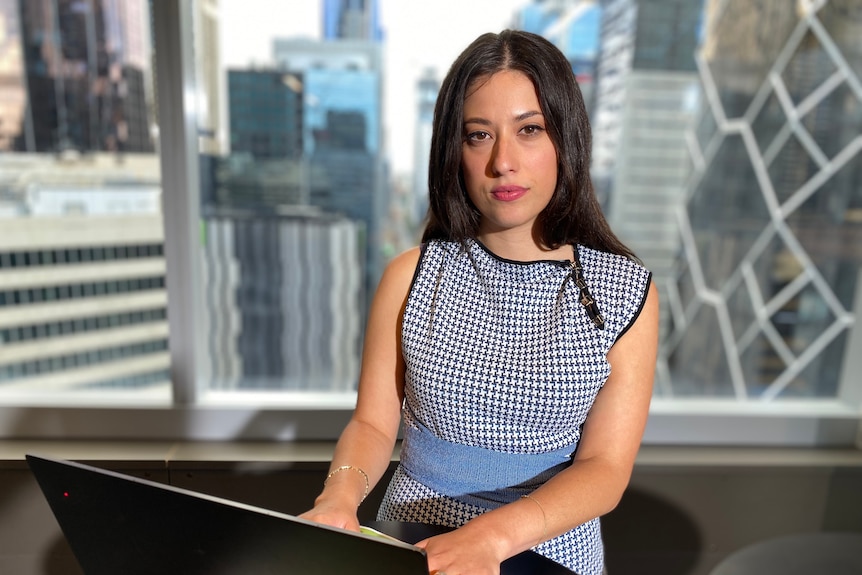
[(397, 278), (404, 264), (404, 269), (614, 272), (620, 285), (598, 261)]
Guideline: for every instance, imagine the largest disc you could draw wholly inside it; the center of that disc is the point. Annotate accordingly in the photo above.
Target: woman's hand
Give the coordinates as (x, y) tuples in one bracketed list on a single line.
[(463, 551), (329, 513)]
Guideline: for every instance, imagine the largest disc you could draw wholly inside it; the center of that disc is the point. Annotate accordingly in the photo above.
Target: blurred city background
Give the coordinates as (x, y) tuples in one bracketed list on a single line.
[(727, 153)]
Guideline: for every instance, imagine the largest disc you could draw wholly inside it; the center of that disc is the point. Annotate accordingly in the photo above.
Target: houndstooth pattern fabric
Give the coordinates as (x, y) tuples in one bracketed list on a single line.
[(501, 355)]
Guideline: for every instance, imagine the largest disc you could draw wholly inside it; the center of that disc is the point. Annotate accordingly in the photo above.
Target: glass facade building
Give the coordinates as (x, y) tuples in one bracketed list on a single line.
[(265, 111), (86, 68), (767, 283)]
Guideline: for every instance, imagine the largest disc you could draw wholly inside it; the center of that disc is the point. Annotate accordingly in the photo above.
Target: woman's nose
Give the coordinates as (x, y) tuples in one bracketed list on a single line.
[(504, 156)]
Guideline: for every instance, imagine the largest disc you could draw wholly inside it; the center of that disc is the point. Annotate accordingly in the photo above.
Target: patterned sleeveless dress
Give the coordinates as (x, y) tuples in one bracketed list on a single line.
[(503, 362)]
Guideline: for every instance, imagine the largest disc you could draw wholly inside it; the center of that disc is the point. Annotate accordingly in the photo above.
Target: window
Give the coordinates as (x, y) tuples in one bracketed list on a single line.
[(79, 174), (733, 168)]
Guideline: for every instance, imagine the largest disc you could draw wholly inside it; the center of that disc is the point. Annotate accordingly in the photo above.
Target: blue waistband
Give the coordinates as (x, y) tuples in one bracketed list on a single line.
[(475, 475)]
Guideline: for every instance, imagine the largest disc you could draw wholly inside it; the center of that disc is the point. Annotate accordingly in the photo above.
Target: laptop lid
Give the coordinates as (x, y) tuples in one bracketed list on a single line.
[(116, 523)]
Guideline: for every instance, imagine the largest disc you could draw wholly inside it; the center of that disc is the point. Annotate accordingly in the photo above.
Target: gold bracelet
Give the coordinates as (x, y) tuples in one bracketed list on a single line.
[(544, 517), (354, 468)]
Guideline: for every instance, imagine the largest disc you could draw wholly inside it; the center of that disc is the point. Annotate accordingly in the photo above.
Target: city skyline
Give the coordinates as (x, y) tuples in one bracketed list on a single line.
[(410, 48), (762, 271)]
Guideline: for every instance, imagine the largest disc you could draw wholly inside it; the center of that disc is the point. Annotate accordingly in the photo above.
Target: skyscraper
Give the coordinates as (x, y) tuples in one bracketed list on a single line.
[(208, 69), (573, 26), (13, 96), (265, 111), (82, 273), (342, 132), (292, 221), (83, 302), (86, 69), (646, 96), (426, 99), (767, 284), (281, 294), (352, 20)]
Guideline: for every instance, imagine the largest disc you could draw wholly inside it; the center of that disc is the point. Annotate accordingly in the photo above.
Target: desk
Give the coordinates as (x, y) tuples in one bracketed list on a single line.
[(526, 563)]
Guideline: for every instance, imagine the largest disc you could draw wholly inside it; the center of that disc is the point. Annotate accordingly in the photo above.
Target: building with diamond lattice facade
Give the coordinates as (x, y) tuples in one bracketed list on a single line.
[(767, 284)]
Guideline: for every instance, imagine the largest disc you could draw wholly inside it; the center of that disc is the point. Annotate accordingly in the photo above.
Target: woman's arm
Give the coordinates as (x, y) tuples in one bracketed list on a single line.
[(591, 486), (364, 450)]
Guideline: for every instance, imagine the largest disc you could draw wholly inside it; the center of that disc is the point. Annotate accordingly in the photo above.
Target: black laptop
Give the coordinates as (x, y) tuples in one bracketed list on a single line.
[(121, 525)]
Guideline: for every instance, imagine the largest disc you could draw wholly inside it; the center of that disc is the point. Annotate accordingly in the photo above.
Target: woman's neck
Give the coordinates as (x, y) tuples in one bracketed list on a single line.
[(522, 247)]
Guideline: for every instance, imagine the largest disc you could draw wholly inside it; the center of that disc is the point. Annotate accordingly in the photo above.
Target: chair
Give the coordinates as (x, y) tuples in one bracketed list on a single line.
[(835, 553)]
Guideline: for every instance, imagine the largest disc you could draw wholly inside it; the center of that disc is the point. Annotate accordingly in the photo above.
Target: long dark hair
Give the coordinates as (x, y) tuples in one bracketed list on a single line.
[(573, 215)]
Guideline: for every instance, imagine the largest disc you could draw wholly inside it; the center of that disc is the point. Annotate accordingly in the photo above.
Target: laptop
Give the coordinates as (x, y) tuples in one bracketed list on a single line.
[(118, 524)]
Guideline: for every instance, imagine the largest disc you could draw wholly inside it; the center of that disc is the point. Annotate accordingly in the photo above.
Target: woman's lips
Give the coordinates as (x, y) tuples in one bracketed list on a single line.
[(508, 193)]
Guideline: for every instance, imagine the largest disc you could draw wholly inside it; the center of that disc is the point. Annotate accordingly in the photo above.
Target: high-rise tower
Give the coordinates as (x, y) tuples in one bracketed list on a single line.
[(86, 66), (646, 95), (351, 20), (767, 284)]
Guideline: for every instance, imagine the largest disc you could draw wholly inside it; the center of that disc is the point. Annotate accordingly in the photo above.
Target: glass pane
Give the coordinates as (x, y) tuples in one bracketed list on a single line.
[(742, 40), (82, 290), (738, 181), (774, 208), (313, 141), (312, 151)]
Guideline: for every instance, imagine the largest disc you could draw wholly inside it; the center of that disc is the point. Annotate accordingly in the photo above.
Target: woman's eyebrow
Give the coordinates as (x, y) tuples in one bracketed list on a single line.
[(519, 118), (526, 115), (482, 121)]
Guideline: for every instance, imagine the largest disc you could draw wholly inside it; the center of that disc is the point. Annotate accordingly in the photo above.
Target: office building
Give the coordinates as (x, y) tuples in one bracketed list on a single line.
[(573, 26), (766, 287), (342, 132), (265, 110), (85, 70), (646, 97), (83, 304), (211, 105), (266, 185), (539, 14), (426, 98), (13, 96), (281, 295), (81, 265), (292, 214), (352, 20)]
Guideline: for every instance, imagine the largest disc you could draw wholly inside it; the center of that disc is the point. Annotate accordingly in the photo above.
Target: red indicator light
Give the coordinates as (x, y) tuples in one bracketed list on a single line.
[(65, 494)]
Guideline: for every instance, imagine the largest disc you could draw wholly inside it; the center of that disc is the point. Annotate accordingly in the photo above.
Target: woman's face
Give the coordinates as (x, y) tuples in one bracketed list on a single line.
[(508, 160)]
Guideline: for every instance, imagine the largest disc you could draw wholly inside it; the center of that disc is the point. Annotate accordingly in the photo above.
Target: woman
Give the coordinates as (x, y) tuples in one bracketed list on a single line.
[(517, 344)]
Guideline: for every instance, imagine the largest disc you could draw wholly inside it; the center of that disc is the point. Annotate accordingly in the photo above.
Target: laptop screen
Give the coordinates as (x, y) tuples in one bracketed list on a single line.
[(115, 524)]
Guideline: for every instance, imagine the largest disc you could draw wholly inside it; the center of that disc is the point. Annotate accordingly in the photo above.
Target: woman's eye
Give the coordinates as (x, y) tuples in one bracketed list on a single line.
[(532, 129), (478, 136)]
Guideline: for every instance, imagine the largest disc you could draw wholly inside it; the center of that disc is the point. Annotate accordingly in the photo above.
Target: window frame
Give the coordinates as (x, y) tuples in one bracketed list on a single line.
[(194, 414)]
